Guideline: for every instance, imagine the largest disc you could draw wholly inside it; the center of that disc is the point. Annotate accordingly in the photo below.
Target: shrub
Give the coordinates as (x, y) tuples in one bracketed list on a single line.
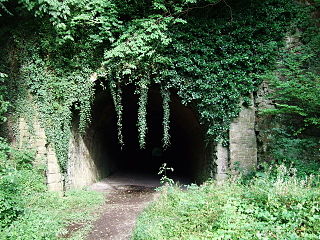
[(301, 153), (10, 201), (279, 206), (17, 180), (28, 210)]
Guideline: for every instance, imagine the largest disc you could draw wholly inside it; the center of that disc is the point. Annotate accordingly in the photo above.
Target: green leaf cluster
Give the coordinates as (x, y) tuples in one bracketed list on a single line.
[(3, 102), (274, 205), (28, 210), (212, 54), (11, 199), (296, 83)]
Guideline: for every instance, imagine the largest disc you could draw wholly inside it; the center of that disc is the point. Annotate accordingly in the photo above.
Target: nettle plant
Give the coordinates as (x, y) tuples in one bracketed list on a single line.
[(212, 53)]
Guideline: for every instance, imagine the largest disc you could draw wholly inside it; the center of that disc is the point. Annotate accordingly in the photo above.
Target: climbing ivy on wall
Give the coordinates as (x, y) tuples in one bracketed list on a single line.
[(3, 103), (296, 84), (212, 53), (142, 111), (57, 93)]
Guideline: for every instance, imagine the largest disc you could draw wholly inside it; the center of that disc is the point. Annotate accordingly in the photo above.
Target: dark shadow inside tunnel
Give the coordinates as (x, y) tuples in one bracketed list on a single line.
[(186, 154)]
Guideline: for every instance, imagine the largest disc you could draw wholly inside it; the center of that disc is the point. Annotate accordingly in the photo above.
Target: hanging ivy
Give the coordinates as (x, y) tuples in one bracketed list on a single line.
[(116, 93), (55, 93), (212, 53), (165, 93), (142, 112), (3, 103)]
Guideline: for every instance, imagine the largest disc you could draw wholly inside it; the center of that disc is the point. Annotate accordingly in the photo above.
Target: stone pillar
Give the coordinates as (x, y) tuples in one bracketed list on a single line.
[(222, 156), (243, 142), (33, 136), (54, 176)]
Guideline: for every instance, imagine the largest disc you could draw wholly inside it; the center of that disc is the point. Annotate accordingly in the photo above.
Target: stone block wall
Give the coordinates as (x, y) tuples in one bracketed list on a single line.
[(241, 154), (54, 176), (222, 160), (33, 137), (242, 141), (264, 123), (82, 170)]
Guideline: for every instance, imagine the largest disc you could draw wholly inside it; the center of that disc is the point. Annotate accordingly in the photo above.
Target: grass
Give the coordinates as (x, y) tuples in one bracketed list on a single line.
[(276, 205), (28, 211), (46, 214)]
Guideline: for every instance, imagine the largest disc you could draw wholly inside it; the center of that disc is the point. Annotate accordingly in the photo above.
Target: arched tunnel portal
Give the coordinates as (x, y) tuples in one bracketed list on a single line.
[(187, 153)]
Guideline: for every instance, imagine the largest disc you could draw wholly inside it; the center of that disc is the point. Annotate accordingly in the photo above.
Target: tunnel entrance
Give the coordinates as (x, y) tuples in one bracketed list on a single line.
[(186, 154)]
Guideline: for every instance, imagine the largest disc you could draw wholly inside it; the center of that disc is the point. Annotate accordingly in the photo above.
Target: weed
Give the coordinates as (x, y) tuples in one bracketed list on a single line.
[(273, 205)]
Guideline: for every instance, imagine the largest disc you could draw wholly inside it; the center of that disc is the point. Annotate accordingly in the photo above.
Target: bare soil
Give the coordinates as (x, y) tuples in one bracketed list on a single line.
[(127, 194), (120, 212)]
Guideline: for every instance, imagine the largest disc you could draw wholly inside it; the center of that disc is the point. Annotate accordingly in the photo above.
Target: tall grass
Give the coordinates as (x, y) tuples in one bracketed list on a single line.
[(28, 211), (275, 205)]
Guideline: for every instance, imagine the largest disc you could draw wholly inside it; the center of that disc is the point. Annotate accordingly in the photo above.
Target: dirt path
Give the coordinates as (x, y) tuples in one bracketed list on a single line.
[(125, 199)]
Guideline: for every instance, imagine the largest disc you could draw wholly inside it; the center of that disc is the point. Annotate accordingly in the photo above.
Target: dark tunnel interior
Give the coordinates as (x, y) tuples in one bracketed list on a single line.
[(186, 154)]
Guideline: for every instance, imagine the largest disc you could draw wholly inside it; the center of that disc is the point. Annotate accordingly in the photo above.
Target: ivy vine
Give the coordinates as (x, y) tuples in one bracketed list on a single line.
[(212, 53), (165, 93), (116, 93), (3, 103), (142, 112)]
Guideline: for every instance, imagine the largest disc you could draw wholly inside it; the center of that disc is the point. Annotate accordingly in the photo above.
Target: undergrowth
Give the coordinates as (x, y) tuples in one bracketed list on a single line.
[(273, 205), (300, 152), (28, 210), (213, 54)]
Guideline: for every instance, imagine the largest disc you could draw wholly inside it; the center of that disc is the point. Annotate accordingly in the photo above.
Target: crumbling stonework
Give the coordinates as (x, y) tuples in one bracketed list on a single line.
[(34, 137), (222, 159), (54, 176), (243, 142), (241, 154), (264, 123)]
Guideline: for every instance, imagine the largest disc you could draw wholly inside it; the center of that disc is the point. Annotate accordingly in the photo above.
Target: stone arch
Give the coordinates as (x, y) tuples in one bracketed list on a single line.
[(98, 154)]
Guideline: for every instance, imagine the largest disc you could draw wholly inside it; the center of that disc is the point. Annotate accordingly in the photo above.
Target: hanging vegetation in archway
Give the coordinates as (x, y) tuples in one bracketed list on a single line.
[(211, 52)]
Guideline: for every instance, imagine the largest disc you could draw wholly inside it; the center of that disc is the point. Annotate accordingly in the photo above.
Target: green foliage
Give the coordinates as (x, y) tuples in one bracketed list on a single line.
[(163, 173), (11, 189), (27, 210), (10, 201), (56, 93), (3, 103), (205, 58), (17, 190), (116, 93), (297, 93), (301, 153), (196, 48), (12, 159), (47, 215), (131, 59), (296, 83), (165, 93), (2, 7), (4, 155), (277, 206), (142, 113)]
